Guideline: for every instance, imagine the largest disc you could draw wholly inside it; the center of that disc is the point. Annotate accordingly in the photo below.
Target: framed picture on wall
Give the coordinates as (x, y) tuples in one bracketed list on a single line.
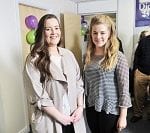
[(142, 16)]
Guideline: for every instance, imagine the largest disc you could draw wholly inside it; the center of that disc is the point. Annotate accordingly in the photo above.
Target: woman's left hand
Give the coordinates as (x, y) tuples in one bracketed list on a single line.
[(122, 123), (77, 114)]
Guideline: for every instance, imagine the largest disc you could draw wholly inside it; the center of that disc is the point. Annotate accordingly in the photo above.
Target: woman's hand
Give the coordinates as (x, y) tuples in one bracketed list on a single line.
[(77, 114), (66, 120), (122, 121), (53, 112)]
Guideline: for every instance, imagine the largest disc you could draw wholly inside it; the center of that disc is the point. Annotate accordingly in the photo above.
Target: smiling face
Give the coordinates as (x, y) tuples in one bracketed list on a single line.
[(52, 32), (100, 35)]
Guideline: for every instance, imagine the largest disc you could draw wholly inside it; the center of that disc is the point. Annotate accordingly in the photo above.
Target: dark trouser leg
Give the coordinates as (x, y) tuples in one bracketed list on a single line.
[(131, 82), (92, 119), (68, 129), (107, 122)]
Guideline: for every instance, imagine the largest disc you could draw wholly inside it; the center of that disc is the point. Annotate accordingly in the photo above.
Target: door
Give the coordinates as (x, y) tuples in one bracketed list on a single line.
[(71, 34)]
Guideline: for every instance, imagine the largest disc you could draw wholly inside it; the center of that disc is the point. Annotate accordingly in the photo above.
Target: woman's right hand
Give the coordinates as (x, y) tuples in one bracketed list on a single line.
[(53, 112), (66, 120)]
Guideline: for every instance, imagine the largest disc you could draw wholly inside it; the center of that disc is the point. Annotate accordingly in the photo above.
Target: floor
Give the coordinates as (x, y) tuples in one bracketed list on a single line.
[(142, 126)]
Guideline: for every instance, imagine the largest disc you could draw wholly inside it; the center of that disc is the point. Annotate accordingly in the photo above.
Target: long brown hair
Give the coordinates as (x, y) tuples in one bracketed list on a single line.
[(111, 47), (40, 50)]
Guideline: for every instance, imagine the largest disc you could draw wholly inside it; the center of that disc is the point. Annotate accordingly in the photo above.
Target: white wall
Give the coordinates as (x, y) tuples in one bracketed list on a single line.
[(97, 6), (1, 113), (125, 25), (10, 70), (54, 6), (12, 103)]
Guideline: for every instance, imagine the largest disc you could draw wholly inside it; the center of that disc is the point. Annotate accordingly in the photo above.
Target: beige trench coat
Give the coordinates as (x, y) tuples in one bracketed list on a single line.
[(52, 95)]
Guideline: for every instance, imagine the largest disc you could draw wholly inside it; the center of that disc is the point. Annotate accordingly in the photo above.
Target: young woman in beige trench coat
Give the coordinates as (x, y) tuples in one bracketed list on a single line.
[(53, 83)]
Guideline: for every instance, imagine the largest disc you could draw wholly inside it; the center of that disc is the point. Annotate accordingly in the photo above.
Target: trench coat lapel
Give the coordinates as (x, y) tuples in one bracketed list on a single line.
[(57, 74), (64, 67), (64, 62)]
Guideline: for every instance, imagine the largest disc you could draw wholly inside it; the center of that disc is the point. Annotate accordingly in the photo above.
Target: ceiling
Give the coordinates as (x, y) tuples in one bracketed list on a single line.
[(77, 1)]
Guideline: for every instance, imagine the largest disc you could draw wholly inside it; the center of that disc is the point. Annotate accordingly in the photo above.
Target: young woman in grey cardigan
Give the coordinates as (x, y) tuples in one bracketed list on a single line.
[(106, 78)]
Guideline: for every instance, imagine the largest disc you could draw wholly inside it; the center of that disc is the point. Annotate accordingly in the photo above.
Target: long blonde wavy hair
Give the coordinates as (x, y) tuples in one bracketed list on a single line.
[(111, 47)]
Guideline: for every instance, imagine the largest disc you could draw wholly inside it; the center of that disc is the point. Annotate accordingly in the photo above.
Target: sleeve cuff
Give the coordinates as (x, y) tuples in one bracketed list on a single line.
[(44, 102)]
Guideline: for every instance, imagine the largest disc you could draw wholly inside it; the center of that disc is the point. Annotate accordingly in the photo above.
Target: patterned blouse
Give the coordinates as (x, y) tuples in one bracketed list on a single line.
[(107, 90)]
